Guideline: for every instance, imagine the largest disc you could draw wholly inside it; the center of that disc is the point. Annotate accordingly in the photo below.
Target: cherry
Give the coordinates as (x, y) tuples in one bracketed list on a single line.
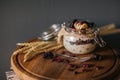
[(84, 22), (73, 22)]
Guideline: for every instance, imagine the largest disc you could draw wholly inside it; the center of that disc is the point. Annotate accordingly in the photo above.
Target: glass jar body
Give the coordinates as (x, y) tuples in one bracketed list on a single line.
[(79, 44)]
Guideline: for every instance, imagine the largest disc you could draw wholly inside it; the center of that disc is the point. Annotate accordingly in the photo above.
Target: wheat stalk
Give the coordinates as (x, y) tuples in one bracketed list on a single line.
[(21, 50), (29, 56)]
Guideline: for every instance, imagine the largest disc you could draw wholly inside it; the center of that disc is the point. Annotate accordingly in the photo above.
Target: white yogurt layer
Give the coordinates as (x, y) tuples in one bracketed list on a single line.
[(80, 48)]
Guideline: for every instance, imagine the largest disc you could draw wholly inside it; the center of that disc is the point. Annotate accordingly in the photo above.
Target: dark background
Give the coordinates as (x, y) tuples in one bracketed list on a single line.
[(21, 20)]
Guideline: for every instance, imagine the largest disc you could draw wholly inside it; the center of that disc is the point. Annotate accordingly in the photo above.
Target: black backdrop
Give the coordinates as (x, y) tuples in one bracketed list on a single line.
[(21, 20)]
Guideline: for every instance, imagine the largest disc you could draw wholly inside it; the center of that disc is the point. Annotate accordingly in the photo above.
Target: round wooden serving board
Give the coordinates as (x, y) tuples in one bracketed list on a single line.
[(44, 69)]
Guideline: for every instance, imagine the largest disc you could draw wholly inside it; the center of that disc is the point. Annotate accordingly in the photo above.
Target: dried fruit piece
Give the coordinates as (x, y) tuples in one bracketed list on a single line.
[(85, 65), (76, 72), (48, 55)]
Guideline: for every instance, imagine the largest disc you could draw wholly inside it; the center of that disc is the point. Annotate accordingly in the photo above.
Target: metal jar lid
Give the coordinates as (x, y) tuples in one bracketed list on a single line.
[(51, 33), (47, 35), (55, 28)]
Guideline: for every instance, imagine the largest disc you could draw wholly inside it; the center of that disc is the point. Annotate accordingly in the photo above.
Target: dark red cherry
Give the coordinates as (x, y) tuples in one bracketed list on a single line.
[(82, 22)]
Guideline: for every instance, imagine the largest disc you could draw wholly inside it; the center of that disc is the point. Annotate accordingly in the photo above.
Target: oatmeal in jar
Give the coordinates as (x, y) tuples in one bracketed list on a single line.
[(79, 44), (78, 38)]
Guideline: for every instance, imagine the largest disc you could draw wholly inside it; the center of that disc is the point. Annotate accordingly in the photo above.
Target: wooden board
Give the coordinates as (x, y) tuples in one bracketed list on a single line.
[(44, 69)]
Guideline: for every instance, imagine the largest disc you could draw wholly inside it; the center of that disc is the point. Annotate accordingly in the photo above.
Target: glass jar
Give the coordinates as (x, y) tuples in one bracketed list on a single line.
[(83, 40), (79, 44)]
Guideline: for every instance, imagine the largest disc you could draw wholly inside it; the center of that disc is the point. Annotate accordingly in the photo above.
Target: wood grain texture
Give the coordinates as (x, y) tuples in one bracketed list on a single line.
[(44, 69)]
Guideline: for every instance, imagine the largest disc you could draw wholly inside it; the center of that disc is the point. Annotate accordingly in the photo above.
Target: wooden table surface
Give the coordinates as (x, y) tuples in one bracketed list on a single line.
[(45, 69)]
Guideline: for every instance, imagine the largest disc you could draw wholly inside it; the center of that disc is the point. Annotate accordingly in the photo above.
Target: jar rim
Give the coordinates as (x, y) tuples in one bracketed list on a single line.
[(88, 31)]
